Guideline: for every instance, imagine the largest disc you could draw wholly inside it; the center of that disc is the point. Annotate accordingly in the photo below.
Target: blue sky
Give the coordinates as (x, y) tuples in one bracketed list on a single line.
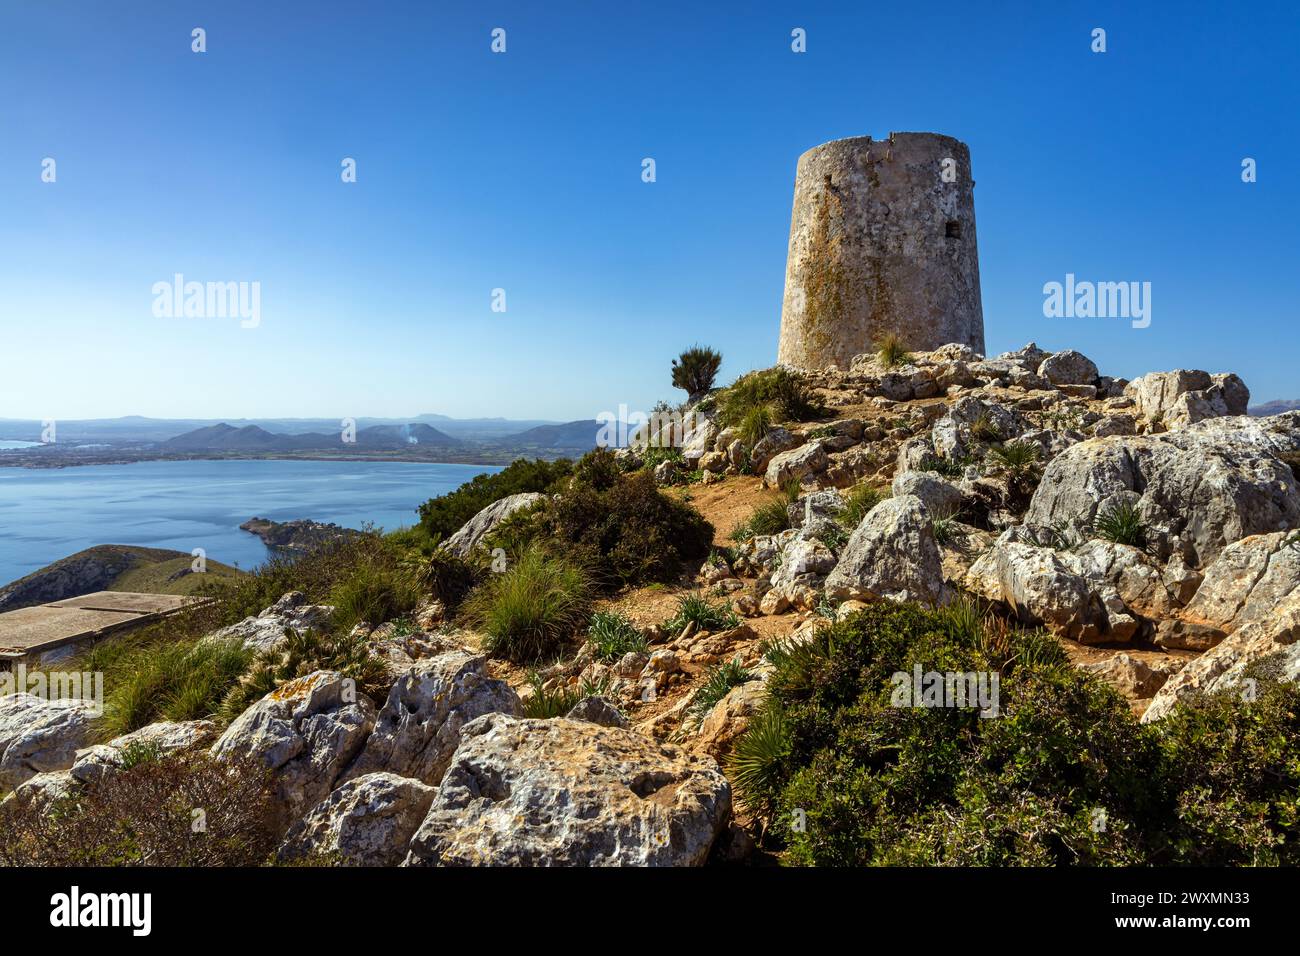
[(522, 171)]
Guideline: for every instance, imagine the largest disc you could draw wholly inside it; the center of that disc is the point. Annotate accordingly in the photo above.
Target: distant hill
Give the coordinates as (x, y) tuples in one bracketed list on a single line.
[(111, 567), (1275, 407), (579, 436), (252, 438)]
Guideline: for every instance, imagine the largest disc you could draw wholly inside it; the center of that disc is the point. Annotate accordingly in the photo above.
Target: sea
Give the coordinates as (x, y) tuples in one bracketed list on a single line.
[(49, 513)]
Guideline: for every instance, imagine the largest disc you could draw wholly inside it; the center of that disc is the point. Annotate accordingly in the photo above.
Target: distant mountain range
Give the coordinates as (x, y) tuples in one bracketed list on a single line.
[(1275, 407), (480, 440)]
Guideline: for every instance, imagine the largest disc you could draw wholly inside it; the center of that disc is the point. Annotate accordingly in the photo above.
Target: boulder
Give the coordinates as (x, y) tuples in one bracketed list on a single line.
[(1135, 577), (775, 442), (953, 436), (1131, 677), (418, 728), (1271, 643), (473, 531), (1206, 489), (891, 554), (1247, 581), (1068, 368), (702, 432), (266, 631), (598, 710), (570, 793), (368, 821), (40, 736), (940, 497), (1038, 584), (1185, 396), (804, 561), (798, 464), (727, 721), (103, 760), (307, 732)]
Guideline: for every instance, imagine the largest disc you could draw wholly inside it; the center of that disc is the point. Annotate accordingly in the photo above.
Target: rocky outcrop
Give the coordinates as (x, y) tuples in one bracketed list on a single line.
[(1247, 581), (587, 796), (1270, 645), (418, 728), (266, 631), (40, 736), (298, 536), (368, 821), (1185, 396), (1196, 492), (473, 531), (306, 732), (801, 464), (1038, 584), (891, 554)]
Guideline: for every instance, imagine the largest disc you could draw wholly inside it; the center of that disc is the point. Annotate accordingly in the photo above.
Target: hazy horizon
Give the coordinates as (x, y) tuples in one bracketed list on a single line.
[(522, 171)]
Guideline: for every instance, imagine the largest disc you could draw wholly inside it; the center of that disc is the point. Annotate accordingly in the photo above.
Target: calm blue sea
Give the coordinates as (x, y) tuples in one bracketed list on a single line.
[(49, 513)]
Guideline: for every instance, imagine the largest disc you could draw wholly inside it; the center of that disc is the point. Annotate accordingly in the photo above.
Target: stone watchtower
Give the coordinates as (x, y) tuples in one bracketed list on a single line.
[(882, 239)]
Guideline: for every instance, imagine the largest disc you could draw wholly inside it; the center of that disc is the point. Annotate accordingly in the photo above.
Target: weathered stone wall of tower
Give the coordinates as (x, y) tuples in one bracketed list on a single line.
[(881, 242)]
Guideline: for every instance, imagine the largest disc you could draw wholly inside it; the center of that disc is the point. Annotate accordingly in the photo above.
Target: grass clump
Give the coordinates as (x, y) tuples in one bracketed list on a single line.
[(1015, 457), (1122, 524), (697, 609), (531, 610), (771, 517), (780, 394), (545, 703), (858, 502), (160, 681), (891, 352), (612, 635)]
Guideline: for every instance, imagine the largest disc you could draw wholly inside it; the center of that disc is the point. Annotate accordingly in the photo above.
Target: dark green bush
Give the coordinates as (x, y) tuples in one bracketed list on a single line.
[(1064, 774), (778, 394), (694, 371), (618, 526), (443, 516)]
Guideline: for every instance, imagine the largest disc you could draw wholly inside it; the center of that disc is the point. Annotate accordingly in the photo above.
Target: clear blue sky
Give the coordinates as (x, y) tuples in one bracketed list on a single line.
[(523, 171)]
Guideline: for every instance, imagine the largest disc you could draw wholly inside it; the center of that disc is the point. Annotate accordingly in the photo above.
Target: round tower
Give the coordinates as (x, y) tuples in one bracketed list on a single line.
[(882, 239)]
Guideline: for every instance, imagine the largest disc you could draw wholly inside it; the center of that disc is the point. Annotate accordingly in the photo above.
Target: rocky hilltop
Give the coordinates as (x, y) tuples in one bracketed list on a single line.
[(1070, 530)]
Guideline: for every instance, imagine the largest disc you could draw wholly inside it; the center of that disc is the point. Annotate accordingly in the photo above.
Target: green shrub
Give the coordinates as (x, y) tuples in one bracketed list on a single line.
[(144, 816), (442, 575), (375, 590), (782, 394), (696, 608), (757, 764), (1015, 457), (529, 611), (303, 653), (619, 527), (612, 635), (694, 371), (444, 516)]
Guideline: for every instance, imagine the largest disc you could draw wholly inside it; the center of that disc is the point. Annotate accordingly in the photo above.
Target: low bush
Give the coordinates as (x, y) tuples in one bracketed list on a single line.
[(619, 527), (145, 815), (1122, 523), (444, 515), (532, 609), (1063, 774)]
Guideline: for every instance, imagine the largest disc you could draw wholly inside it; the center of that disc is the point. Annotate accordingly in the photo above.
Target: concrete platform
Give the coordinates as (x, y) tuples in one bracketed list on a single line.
[(48, 631)]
